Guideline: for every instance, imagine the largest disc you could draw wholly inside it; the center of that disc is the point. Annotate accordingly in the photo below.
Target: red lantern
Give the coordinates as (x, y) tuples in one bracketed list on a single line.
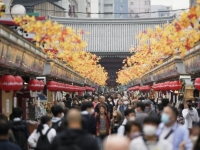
[(197, 84), (18, 83), (34, 85), (7, 83), (52, 86), (148, 88), (41, 83), (176, 86)]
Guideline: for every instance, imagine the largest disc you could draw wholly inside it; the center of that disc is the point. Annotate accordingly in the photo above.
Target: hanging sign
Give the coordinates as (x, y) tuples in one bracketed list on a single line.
[(15, 102), (7, 106)]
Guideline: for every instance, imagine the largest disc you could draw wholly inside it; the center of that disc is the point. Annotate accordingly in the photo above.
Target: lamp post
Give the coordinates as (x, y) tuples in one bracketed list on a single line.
[(17, 10)]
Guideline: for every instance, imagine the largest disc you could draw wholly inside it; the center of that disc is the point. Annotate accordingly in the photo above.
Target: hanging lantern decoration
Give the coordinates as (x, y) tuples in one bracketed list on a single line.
[(41, 84), (7, 83), (197, 84), (34, 85), (155, 87), (52, 86), (176, 86), (18, 83), (148, 88)]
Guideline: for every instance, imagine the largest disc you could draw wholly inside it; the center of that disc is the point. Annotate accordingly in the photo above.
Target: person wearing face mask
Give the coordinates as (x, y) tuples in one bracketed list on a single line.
[(148, 109), (170, 130), (140, 114), (190, 115), (44, 128), (150, 141), (123, 106), (58, 114), (133, 130), (116, 121), (89, 123), (195, 136), (129, 116)]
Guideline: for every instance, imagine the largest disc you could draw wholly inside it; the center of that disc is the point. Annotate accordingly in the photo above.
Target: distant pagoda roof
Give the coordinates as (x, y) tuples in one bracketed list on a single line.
[(112, 35)]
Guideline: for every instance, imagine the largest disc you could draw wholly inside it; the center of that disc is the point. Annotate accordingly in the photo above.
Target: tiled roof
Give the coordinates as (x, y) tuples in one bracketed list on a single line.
[(111, 35)]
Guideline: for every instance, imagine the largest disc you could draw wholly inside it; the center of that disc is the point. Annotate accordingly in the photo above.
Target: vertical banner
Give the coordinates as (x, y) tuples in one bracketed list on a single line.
[(7, 106), (53, 96), (15, 102), (38, 102)]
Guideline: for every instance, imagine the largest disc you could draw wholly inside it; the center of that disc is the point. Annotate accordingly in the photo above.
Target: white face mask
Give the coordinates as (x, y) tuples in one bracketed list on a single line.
[(149, 130), (125, 102), (132, 119), (80, 102), (111, 103), (109, 99), (159, 102), (194, 139), (62, 115), (92, 111), (135, 109)]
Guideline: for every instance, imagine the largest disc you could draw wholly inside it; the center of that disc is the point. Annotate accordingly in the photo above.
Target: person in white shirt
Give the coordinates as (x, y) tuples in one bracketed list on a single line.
[(190, 115), (43, 127), (150, 141), (129, 116)]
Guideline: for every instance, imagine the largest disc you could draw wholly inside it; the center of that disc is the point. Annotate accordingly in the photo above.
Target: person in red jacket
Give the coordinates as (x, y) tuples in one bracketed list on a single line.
[(103, 124)]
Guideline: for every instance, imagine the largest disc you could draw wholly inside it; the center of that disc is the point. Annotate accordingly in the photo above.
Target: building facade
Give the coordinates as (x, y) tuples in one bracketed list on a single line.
[(121, 9), (44, 8), (111, 38), (161, 10), (106, 8), (192, 2), (139, 8), (84, 7)]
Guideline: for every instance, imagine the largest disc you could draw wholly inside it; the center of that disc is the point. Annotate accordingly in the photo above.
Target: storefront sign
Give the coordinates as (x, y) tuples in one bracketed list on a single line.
[(192, 64), (18, 58), (27, 62), (166, 72), (3, 53), (41, 67), (146, 79), (54, 70), (10, 56), (136, 82), (7, 106)]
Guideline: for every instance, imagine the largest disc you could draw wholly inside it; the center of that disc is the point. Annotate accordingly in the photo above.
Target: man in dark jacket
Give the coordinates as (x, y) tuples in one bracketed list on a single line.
[(89, 123), (74, 137), (19, 128), (149, 110), (5, 144)]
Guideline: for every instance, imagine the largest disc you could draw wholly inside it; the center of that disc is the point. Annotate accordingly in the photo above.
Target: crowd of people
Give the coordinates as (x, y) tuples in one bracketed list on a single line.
[(106, 122)]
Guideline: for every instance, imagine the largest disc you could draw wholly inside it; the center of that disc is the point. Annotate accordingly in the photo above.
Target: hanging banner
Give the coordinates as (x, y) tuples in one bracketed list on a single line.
[(15, 102), (27, 62), (7, 106), (3, 54), (10, 56), (18, 58)]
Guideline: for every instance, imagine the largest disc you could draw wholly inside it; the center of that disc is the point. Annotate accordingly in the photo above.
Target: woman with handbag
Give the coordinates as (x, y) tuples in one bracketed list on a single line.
[(103, 124)]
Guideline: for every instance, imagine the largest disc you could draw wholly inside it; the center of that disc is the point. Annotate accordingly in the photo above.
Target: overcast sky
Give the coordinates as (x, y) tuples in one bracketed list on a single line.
[(176, 4)]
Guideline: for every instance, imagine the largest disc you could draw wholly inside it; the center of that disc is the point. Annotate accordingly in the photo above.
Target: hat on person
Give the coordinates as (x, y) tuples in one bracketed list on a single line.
[(147, 102)]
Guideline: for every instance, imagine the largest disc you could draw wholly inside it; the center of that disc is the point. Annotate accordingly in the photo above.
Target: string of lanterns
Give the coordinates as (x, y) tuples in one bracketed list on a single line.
[(166, 86)]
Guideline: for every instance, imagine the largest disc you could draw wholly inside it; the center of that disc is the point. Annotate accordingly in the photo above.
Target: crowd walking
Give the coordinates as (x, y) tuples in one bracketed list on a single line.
[(112, 121)]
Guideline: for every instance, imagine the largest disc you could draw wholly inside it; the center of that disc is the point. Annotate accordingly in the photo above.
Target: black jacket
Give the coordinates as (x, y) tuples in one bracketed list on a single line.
[(89, 123), (78, 137)]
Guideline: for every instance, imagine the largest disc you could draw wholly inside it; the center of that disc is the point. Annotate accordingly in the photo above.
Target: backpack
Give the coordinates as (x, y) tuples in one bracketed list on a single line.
[(19, 131), (68, 144), (43, 142), (56, 125)]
